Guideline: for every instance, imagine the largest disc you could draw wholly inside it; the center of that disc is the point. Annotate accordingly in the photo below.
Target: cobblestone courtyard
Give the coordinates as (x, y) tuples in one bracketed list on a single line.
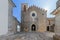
[(29, 36)]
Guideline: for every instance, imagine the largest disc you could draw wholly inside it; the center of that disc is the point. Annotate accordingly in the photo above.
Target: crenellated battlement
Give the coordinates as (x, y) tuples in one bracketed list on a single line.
[(24, 7), (41, 9), (58, 4)]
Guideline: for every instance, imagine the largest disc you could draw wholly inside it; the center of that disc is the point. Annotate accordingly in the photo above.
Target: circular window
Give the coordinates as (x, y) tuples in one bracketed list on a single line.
[(33, 14)]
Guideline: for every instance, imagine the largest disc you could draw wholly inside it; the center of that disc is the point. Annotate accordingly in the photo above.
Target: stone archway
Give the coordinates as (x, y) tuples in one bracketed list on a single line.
[(33, 27)]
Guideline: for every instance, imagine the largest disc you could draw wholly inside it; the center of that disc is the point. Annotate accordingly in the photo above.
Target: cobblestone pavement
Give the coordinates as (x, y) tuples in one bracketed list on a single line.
[(27, 36), (49, 35)]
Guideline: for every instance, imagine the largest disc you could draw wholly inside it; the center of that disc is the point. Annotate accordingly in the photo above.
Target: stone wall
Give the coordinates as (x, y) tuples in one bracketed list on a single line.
[(57, 23), (56, 37), (51, 24)]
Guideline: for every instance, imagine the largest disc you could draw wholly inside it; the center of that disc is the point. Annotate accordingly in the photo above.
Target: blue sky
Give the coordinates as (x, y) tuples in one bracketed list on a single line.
[(49, 5)]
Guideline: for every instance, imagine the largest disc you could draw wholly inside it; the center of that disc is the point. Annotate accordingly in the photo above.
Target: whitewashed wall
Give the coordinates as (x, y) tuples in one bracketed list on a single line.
[(3, 17)]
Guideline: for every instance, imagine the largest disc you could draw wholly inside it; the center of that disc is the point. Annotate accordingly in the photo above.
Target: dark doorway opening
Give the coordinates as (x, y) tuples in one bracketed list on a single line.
[(47, 28), (33, 27)]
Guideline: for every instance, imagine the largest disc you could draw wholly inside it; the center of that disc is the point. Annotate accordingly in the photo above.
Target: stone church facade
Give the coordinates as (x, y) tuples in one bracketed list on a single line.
[(33, 24), (33, 19)]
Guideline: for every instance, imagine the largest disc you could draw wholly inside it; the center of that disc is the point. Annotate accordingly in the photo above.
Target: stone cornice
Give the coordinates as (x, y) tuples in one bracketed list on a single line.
[(56, 11), (11, 2)]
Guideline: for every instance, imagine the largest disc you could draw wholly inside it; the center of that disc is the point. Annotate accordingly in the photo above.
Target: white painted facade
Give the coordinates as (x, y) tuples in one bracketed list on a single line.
[(3, 17), (5, 11)]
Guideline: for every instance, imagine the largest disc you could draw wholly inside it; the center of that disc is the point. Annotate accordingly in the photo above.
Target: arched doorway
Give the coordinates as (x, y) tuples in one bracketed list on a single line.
[(47, 28), (33, 27)]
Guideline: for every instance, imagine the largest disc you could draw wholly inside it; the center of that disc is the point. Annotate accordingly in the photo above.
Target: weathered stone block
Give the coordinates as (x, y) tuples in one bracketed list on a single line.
[(56, 37)]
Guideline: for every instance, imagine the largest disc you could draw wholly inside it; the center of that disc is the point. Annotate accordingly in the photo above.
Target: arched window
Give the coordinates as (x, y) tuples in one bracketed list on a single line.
[(18, 28)]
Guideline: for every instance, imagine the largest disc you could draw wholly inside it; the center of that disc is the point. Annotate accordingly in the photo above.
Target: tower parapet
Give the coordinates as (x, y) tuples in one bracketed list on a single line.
[(24, 6)]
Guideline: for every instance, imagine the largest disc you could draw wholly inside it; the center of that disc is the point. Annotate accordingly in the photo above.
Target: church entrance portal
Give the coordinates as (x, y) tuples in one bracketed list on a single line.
[(33, 27)]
